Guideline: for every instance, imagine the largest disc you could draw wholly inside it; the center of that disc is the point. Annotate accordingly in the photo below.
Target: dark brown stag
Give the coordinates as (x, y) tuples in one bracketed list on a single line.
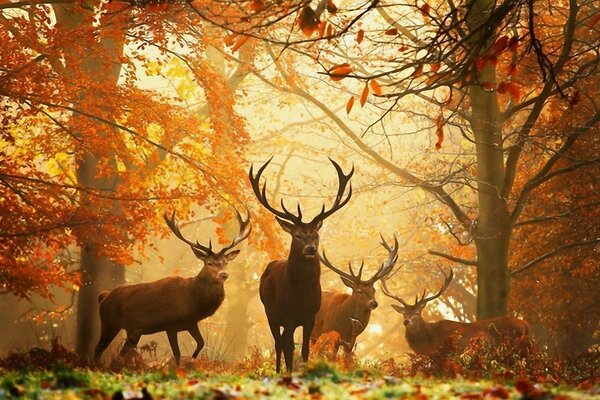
[(349, 314), (290, 290), (171, 304), (445, 335)]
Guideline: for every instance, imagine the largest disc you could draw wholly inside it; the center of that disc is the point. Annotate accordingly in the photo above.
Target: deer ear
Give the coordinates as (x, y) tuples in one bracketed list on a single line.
[(232, 254), (398, 308), (347, 282), (287, 226)]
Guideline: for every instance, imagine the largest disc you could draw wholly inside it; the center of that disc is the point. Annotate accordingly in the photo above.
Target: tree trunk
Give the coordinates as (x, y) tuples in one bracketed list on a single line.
[(492, 232), (98, 272)]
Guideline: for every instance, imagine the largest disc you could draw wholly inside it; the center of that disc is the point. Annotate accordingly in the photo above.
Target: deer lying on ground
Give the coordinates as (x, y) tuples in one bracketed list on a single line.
[(430, 337), (290, 290), (170, 304), (349, 314)]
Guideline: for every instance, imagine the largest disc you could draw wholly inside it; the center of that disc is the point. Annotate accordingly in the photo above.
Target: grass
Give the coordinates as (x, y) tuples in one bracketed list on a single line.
[(318, 380)]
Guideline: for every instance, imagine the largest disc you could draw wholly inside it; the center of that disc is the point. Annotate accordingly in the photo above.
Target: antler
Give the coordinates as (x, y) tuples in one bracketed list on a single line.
[(423, 299), (388, 265), (262, 198), (175, 229), (351, 276), (447, 280), (244, 232), (338, 203)]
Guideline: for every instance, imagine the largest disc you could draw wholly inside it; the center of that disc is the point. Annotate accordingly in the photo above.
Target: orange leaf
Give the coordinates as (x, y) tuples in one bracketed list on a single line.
[(349, 104), (391, 31), (439, 131), (257, 5), (360, 36), (329, 31), (435, 67), (308, 21), (376, 87), (321, 28), (418, 71), (241, 40), (364, 95), (340, 71), (594, 20), (514, 91), (425, 9), (229, 39)]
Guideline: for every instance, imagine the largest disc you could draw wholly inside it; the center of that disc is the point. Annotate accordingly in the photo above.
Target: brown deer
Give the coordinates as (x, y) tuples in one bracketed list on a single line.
[(290, 290), (170, 304), (349, 314), (430, 337)]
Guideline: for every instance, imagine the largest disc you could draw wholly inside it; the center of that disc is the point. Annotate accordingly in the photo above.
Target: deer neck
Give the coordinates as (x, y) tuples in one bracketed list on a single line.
[(300, 267), (353, 309), (206, 287), (421, 337)]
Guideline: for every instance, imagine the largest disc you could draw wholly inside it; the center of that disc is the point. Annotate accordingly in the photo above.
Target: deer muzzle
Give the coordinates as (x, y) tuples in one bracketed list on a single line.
[(373, 304), (310, 251), (223, 275)]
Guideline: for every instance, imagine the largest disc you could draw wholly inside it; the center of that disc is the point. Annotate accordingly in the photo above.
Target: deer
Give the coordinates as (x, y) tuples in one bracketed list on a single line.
[(290, 289), (349, 314), (430, 337), (171, 304)]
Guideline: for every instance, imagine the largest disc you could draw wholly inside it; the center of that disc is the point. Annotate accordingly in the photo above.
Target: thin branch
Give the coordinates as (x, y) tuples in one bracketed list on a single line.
[(592, 242), (452, 258)]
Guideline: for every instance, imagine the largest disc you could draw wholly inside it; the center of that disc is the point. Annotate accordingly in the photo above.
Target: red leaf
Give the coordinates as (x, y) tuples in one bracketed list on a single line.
[(500, 45), (349, 104), (241, 40), (502, 88), (513, 43), (523, 386), (360, 36), (425, 9), (439, 123), (512, 69), (308, 21), (435, 67), (229, 39), (497, 392), (376, 87), (418, 71), (364, 95), (391, 31), (331, 7), (321, 28)]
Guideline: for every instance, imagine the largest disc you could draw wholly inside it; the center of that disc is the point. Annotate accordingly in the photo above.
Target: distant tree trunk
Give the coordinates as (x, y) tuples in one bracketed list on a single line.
[(98, 272), (492, 233)]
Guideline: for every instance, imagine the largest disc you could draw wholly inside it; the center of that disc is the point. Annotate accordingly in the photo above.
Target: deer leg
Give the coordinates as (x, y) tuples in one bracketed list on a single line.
[(195, 332), (107, 334), (287, 339), (172, 335), (278, 344), (306, 332), (131, 343)]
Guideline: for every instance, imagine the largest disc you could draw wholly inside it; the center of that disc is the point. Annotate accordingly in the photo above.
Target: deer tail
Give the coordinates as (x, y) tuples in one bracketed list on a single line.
[(102, 295)]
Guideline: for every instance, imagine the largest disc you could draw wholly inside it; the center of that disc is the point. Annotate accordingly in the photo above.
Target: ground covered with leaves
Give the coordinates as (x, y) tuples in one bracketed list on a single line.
[(58, 374)]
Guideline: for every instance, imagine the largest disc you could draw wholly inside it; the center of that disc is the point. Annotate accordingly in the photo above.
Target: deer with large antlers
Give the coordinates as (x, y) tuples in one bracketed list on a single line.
[(172, 304), (290, 289), (349, 314), (430, 337)]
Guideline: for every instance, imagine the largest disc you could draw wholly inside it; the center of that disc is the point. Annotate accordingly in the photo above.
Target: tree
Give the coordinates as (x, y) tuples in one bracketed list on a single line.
[(490, 74)]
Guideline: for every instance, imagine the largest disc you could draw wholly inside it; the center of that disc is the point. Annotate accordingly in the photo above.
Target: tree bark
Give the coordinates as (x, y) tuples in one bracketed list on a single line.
[(98, 272), (492, 233)]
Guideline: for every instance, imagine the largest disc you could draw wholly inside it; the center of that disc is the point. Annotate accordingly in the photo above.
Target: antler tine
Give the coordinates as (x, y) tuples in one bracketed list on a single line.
[(244, 230), (262, 197), (447, 280), (338, 271), (175, 229), (388, 265), (386, 292), (338, 203)]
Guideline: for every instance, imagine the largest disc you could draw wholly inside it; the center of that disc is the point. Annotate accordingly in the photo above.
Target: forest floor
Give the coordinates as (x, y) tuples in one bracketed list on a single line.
[(488, 373), (319, 380)]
